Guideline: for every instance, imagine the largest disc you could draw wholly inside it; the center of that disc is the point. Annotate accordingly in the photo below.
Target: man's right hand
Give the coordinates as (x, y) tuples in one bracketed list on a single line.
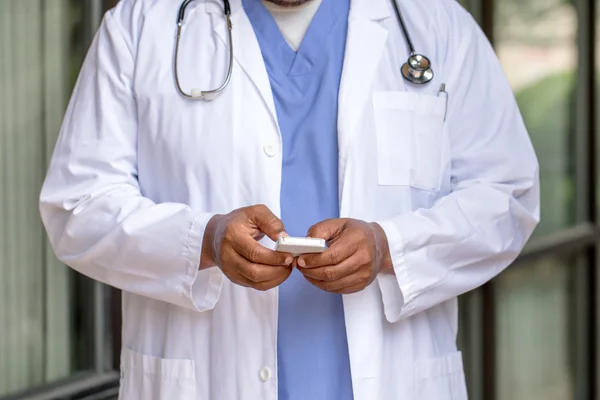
[(231, 242)]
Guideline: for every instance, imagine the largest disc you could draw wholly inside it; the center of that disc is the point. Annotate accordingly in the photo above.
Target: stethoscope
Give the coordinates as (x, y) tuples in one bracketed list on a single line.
[(417, 68)]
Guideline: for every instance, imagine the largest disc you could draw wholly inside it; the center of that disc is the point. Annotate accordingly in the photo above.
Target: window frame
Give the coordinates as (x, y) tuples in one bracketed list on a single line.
[(583, 238), (101, 381)]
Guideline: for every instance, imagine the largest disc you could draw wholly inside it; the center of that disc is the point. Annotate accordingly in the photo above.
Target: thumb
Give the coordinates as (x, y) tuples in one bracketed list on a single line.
[(328, 229), (267, 222)]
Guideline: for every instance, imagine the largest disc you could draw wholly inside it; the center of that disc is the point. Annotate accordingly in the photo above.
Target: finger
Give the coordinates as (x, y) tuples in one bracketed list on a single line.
[(327, 229), (241, 280), (342, 249), (266, 221), (259, 254), (237, 278), (334, 272), (351, 289), (262, 286), (258, 236), (258, 273), (348, 284)]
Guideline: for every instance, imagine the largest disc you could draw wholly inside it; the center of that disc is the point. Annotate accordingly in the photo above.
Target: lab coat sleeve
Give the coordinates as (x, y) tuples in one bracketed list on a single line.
[(98, 221), (472, 234)]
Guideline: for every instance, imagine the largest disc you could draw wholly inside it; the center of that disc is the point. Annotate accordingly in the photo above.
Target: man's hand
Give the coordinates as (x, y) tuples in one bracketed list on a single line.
[(357, 252), (231, 242)]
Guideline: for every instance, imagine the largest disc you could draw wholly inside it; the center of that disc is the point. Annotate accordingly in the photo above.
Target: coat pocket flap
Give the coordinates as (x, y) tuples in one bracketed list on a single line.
[(170, 368), (415, 102)]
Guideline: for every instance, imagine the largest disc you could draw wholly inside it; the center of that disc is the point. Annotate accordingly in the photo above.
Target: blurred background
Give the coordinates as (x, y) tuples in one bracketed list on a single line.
[(530, 334)]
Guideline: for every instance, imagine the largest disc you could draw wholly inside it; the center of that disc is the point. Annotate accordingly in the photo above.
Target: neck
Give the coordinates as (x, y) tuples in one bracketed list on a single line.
[(289, 3)]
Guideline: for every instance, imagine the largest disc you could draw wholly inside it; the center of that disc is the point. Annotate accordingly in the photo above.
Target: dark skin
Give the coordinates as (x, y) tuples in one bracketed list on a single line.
[(231, 242), (289, 3), (357, 251)]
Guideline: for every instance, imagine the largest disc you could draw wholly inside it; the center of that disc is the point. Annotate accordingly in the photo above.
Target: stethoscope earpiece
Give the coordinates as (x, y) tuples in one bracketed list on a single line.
[(417, 69)]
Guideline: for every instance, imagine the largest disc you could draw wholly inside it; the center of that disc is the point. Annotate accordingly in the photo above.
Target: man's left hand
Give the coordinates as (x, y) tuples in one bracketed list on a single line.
[(357, 252)]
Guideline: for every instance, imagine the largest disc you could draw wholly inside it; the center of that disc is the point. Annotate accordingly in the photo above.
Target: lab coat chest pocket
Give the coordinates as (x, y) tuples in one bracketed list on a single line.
[(409, 131), (440, 378), (151, 378)]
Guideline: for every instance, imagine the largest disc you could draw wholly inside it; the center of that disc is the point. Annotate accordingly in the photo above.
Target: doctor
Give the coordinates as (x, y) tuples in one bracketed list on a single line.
[(175, 194)]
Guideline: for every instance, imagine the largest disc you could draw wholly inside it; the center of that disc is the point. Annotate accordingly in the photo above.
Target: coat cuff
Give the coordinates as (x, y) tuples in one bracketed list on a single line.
[(396, 288), (201, 288)]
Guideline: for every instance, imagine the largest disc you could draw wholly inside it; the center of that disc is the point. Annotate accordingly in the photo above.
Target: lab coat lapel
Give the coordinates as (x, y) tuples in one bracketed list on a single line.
[(364, 46), (246, 50)]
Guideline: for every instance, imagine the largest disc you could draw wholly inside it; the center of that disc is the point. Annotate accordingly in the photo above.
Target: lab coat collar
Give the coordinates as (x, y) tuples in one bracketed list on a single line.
[(374, 10), (246, 50), (365, 43)]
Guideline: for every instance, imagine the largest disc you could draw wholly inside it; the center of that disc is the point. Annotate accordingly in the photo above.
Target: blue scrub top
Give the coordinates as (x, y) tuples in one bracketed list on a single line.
[(312, 348)]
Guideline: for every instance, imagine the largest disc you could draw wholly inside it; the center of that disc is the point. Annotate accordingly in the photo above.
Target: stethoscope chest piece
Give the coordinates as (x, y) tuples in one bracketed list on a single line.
[(417, 69)]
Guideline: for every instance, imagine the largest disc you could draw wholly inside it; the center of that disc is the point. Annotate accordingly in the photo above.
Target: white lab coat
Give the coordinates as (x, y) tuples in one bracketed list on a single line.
[(138, 171)]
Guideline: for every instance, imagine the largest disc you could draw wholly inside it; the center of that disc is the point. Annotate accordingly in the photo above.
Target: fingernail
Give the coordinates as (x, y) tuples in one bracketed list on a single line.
[(284, 234), (289, 260), (301, 262)]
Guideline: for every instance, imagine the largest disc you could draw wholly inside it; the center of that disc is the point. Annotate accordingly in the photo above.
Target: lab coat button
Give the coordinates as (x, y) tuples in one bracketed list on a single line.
[(265, 374), (270, 150)]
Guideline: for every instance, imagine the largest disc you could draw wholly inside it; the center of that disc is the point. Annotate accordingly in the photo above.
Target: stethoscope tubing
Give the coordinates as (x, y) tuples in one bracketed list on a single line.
[(198, 94), (403, 26), (416, 75)]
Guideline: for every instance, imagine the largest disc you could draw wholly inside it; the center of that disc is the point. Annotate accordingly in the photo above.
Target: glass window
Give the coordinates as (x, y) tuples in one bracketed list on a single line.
[(535, 310), (47, 315), (597, 94), (536, 43), (464, 3)]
